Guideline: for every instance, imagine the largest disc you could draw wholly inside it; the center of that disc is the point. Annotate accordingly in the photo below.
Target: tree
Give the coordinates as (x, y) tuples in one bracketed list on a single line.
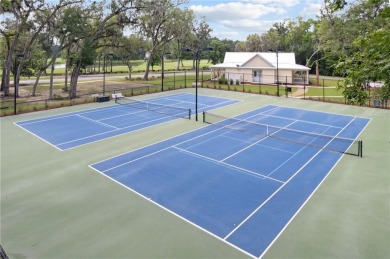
[(240, 46), (338, 28), (254, 43), (99, 24), (182, 35), (19, 21), (219, 48), (370, 64), (128, 50), (160, 22), (199, 38)]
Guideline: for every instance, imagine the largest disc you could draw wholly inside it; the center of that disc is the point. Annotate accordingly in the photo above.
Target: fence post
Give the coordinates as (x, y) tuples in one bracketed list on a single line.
[(369, 95), (304, 90), (285, 89), (185, 78), (243, 83), (174, 80), (228, 81), (201, 83), (323, 90)]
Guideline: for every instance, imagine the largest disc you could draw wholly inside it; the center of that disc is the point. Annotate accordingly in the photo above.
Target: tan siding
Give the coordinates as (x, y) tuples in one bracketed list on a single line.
[(257, 62)]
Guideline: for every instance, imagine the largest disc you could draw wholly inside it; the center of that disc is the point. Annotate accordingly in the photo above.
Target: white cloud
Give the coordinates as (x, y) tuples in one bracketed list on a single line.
[(311, 9), (286, 3), (235, 11), (226, 34), (236, 19)]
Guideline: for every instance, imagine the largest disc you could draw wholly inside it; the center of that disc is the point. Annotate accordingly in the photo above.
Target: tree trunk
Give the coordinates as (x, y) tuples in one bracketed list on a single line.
[(51, 78), (18, 70), (7, 72), (99, 65), (179, 55), (2, 79), (40, 72), (73, 80), (146, 75), (317, 73), (36, 82), (66, 71), (129, 67)]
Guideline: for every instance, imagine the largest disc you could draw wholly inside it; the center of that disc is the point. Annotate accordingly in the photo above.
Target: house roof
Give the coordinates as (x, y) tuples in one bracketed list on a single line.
[(242, 60)]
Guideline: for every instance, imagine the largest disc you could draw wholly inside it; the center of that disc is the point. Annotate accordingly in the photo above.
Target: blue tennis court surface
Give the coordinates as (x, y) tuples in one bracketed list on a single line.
[(240, 187), (78, 128)]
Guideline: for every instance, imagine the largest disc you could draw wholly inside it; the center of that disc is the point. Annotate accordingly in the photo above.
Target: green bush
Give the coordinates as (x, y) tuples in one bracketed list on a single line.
[(222, 80)]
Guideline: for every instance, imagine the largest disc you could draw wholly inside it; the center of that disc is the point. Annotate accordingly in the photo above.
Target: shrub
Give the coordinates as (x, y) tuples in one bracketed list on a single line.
[(222, 80), (57, 97)]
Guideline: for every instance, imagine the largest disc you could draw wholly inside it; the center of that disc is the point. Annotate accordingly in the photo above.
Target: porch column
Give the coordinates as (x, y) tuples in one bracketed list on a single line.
[(307, 77)]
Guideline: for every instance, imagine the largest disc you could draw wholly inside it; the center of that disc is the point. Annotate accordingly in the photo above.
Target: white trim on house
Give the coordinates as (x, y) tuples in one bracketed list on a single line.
[(244, 64)]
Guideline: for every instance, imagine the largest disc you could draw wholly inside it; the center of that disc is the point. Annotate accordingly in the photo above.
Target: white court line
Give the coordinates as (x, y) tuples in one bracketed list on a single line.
[(70, 114), (65, 115), (177, 144), (97, 122), (332, 113), (94, 135), (124, 114), (227, 165), (304, 121), (174, 213), (295, 154), (308, 198), (272, 195), (256, 142), (44, 140)]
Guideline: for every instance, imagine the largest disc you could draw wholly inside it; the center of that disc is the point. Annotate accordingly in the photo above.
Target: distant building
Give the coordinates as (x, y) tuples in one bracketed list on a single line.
[(261, 67)]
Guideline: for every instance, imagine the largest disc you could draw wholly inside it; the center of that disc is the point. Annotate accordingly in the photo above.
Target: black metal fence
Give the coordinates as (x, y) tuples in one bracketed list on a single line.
[(89, 92)]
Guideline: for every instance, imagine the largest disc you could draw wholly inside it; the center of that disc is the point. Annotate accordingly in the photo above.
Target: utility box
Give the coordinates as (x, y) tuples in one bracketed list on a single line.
[(101, 99)]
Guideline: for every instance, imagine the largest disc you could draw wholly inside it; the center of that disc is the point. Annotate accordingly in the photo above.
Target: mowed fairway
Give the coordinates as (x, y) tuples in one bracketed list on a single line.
[(53, 205)]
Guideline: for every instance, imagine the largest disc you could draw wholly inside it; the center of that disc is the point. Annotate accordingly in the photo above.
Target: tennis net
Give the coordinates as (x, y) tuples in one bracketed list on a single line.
[(158, 108), (319, 141)]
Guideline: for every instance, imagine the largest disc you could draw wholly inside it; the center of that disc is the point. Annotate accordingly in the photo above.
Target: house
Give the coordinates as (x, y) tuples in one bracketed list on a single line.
[(261, 67)]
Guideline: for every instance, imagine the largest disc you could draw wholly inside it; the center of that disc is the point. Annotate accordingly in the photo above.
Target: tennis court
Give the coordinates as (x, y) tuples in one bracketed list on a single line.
[(236, 186), (240, 179), (70, 130)]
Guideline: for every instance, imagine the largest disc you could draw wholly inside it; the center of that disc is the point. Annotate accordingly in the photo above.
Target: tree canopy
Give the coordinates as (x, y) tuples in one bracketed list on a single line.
[(348, 39)]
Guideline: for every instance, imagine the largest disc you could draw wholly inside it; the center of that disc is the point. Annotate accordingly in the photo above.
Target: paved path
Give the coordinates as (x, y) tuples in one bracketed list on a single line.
[(300, 91)]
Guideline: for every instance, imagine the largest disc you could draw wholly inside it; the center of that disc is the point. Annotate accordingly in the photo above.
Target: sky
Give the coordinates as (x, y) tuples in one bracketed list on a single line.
[(237, 19)]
